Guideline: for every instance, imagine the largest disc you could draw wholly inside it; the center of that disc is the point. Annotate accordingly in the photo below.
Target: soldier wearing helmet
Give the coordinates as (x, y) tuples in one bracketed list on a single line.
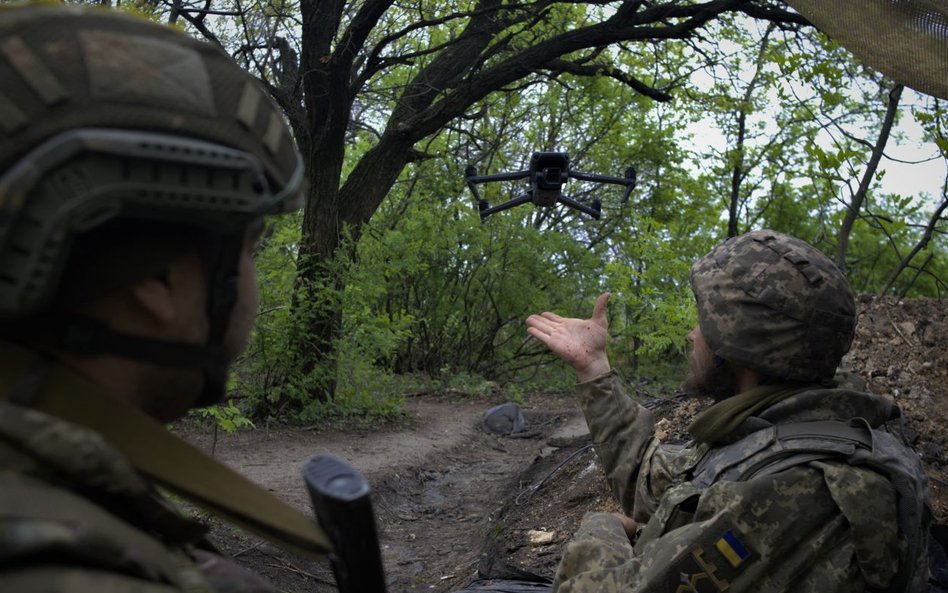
[(791, 482), (136, 168)]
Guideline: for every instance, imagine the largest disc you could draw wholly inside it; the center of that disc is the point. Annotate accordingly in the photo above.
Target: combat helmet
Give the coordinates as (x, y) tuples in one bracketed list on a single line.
[(776, 305), (108, 117)]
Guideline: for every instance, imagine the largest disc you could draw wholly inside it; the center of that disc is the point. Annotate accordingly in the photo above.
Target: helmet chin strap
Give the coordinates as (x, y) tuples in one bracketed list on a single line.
[(222, 266)]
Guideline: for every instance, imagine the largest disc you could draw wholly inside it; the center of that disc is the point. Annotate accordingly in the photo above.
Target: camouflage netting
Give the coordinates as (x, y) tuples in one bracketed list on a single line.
[(907, 40)]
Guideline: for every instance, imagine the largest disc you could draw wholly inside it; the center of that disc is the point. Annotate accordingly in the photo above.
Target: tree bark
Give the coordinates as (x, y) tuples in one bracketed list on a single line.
[(852, 211)]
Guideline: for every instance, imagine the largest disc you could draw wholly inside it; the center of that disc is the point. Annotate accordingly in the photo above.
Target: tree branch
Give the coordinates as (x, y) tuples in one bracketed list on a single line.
[(578, 69), (621, 27), (197, 22), (854, 206), (922, 244)]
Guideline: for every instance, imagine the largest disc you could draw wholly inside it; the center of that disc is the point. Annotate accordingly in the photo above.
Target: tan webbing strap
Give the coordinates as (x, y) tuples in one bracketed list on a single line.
[(178, 466)]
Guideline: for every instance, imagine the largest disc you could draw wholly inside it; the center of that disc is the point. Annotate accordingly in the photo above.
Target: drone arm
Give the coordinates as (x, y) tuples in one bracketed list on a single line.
[(628, 181), (592, 211), (472, 185), (472, 179), (628, 190), (498, 177), (521, 199)]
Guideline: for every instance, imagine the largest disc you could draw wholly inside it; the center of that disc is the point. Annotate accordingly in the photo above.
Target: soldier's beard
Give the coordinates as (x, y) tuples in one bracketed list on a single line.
[(709, 377)]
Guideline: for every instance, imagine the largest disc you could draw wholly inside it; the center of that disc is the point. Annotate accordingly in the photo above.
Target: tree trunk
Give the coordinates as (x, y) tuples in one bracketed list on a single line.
[(318, 293), (334, 214), (852, 211), (737, 173)]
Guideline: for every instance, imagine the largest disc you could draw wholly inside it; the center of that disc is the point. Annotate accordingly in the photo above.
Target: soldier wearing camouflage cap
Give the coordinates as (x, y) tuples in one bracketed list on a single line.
[(792, 482), (136, 167)]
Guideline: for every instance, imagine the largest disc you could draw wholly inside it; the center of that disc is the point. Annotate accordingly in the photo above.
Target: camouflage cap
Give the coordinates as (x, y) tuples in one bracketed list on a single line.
[(776, 305)]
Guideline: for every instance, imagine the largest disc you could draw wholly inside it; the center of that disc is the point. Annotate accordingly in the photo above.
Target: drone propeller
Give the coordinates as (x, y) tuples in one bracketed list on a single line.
[(548, 172)]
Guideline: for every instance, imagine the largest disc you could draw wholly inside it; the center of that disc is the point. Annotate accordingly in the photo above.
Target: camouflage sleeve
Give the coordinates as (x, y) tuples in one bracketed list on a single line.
[(622, 432), (599, 553), (801, 530), (52, 539)]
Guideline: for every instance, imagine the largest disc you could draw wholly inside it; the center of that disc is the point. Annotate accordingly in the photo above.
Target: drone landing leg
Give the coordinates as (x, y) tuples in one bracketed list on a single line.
[(596, 213), (521, 199)]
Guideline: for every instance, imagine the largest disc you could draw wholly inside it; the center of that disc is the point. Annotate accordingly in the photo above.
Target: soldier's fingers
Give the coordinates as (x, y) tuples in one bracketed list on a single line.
[(599, 309), (628, 524), (539, 335), (551, 316), (540, 324)]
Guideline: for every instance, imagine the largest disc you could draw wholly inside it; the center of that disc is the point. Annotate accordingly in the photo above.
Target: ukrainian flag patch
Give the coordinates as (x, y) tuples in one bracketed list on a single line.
[(732, 549)]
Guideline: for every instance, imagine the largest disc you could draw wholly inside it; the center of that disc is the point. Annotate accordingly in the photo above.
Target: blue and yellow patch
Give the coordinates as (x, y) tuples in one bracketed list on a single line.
[(732, 549), (700, 570)]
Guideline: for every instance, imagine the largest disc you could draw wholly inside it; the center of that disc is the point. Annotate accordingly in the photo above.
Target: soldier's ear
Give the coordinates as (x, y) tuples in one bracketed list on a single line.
[(154, 297), (176, 296)]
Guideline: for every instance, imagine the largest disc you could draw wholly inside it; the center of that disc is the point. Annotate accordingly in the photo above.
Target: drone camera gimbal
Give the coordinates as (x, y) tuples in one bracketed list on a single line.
[(547, 173)]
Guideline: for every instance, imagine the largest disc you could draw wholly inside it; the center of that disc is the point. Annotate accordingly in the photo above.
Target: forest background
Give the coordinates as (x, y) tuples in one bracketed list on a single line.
[(737, 115)]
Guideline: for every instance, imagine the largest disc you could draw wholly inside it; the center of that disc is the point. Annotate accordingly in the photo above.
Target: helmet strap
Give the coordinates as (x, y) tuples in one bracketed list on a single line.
[(84, 336), (222, 266)]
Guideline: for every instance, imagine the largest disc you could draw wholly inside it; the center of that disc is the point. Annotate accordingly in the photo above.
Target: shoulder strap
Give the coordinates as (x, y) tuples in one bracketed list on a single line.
[(780, 447), (169, 461)]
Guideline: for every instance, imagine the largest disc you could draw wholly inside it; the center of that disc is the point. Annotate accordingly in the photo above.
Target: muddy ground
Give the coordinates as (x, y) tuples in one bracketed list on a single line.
[(453, 502)]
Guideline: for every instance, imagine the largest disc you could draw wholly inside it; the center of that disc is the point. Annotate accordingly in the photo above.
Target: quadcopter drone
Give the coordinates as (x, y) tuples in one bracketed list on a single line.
[(548, 172)]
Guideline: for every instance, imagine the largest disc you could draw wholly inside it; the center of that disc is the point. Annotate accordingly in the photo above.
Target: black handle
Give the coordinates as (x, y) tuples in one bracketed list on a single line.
[(341, 500)]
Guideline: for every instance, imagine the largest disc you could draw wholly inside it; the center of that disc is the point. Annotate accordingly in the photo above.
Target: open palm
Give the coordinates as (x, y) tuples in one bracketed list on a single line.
[(581, 343)]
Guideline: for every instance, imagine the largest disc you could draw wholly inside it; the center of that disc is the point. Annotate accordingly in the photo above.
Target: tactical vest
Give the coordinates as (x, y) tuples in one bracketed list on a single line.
[(778, 448)]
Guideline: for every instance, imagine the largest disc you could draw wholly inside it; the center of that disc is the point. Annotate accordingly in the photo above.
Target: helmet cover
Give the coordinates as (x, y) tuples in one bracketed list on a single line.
[(776, 305), (104, 116)]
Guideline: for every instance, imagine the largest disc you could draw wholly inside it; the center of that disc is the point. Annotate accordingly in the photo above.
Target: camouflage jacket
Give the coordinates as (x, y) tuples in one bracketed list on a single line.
[(76, 516), (815, 527)]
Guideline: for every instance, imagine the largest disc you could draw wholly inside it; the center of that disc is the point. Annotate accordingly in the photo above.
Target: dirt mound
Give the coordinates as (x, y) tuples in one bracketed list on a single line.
[(900, 349)]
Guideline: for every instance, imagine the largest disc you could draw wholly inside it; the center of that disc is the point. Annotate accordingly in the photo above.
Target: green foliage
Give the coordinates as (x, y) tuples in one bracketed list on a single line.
[(468, 384), (431, 298), (464, 288), (227, 416), (276, 379), (880, 242)]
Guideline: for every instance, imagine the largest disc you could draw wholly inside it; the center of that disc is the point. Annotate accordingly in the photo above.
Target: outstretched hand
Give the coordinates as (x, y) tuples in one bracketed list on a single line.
[(581, 343)]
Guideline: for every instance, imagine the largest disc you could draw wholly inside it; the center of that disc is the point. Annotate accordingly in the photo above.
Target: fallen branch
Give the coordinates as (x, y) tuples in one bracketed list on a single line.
[(248, 549), (293, 568), (901, 335)]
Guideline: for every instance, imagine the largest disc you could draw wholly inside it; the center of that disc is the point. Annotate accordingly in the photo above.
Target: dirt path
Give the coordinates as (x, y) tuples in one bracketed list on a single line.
[(437, 481)]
